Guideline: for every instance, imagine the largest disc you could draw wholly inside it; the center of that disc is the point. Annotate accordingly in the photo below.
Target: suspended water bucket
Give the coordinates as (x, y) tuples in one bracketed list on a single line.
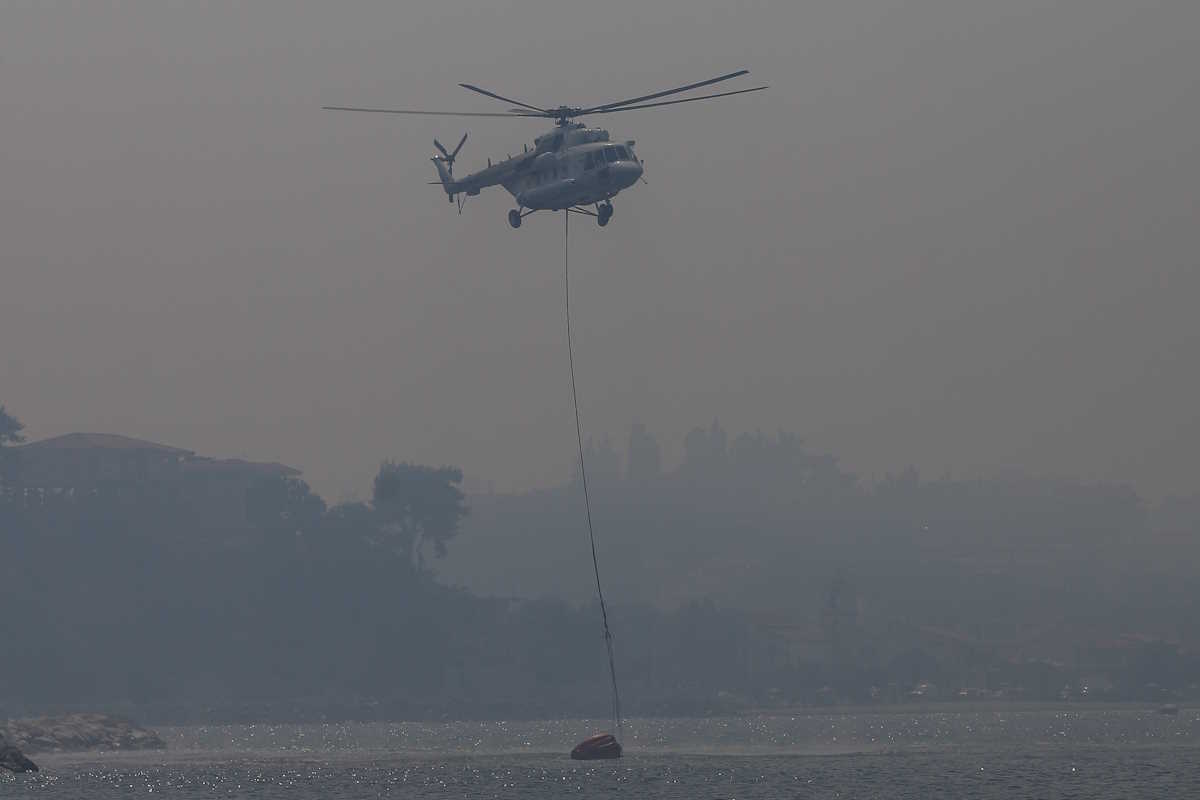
[(600, 746)]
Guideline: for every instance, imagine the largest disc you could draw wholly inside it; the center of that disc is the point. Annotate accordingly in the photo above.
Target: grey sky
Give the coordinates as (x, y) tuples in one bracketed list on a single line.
[(956, 234)]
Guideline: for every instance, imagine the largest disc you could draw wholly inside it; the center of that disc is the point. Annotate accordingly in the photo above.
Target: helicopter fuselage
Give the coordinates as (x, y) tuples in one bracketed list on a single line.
[(567, 167)]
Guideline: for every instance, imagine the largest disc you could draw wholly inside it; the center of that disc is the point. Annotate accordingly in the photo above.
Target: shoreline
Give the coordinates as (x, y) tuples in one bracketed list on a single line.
[(266, 714)]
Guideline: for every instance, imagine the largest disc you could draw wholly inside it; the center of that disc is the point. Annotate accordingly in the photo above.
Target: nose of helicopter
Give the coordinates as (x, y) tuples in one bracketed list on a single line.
[(625, 173)]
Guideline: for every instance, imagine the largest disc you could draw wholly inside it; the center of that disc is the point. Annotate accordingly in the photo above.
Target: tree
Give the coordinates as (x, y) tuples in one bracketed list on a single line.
[(602, 461), (839, 618), (283, 504), (418, 506), (705, 452), (644, 460), (10, 429)]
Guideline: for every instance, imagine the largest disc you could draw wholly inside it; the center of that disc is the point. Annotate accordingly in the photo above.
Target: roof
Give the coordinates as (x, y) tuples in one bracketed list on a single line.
[(101, 441), (76, 442), (266, 469)]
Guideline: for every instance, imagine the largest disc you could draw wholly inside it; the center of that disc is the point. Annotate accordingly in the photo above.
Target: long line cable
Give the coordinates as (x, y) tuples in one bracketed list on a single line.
[(608, 639)]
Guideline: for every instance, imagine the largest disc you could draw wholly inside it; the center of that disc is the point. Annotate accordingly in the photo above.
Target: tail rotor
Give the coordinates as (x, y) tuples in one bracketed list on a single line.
[(445, 166), (449, 157)]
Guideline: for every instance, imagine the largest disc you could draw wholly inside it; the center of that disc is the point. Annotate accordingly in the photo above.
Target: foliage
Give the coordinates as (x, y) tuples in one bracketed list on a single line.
[(644, 463), (418, 506), (827, 589), (10, 428), (283, 504)]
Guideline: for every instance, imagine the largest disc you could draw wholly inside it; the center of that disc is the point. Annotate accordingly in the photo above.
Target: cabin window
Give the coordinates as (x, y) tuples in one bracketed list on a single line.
[(588, 160)]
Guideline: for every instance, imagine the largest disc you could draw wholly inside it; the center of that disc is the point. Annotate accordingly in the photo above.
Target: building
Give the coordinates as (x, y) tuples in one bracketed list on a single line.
[(124, 472), (85, 461)]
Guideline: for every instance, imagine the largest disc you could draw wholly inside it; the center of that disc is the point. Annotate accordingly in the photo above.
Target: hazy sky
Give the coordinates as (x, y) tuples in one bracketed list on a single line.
[(956, 234)]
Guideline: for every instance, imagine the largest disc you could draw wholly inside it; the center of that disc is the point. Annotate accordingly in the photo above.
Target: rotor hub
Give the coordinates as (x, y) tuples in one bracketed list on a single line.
[(564, 114)]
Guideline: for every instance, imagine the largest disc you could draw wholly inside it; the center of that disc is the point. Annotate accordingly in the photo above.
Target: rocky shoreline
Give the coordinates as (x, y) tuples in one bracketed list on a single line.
[(74, 732), (12, 759)]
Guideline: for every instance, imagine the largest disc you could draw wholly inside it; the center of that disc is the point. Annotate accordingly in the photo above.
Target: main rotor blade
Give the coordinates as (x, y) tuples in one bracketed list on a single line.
[(684, 100), (498, 97), (509, 115), (656, 95)]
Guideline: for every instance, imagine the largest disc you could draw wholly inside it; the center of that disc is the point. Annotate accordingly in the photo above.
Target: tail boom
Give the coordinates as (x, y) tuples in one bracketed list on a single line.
[(446, 176)]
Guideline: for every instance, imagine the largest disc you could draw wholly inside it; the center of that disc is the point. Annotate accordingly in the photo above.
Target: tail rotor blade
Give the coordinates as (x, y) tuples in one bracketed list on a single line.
[(461, 142), (438, 145)]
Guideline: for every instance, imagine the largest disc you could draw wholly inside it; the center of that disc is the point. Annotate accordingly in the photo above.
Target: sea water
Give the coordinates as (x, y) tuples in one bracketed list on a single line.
[(995, 753)]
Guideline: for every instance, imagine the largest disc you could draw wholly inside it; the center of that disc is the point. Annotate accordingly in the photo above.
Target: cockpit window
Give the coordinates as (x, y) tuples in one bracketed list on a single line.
[(622, 153), (610, 153)]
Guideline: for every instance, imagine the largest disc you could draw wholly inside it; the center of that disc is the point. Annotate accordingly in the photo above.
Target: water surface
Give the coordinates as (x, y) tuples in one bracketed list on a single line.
[(988, 754)]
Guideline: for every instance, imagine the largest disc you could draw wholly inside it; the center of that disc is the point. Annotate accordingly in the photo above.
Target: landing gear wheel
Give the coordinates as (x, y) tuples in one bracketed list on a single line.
[(604, 214), (514, 218)]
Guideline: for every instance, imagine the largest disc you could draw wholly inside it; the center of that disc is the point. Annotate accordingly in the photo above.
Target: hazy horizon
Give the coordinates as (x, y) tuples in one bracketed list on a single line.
[(955, 235)]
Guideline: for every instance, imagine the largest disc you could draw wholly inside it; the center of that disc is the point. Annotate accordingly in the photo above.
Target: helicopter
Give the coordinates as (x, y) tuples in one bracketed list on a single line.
[(568, 168)]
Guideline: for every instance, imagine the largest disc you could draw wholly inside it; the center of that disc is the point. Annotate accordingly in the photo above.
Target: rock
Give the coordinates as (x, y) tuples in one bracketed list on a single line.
[(13, 759), (80, 732)]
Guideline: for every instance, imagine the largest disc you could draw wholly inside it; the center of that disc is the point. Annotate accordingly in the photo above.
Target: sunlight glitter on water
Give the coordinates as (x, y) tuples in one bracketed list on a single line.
[(1103, 753)]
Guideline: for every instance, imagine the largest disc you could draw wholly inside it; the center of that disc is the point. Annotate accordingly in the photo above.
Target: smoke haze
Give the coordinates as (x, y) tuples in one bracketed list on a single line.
[(958, 235)]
